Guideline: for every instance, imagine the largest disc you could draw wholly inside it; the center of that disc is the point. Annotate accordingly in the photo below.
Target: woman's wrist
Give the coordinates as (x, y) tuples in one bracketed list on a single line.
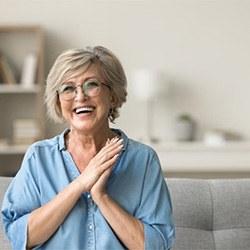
[(100, 198), (78, 187)]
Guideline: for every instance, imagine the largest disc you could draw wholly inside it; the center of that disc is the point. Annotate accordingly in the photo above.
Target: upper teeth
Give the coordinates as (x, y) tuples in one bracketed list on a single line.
[(84, 109)]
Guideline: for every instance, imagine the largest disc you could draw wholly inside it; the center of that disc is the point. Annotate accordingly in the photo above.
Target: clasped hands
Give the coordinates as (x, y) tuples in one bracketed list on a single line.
[(95, 175)]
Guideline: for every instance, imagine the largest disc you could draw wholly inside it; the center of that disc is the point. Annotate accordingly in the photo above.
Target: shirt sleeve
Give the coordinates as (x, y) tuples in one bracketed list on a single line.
[(155, 209), (21, 198)]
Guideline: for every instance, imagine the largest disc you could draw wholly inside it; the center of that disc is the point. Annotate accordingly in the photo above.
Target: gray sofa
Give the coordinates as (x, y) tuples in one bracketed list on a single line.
[(209, 214)]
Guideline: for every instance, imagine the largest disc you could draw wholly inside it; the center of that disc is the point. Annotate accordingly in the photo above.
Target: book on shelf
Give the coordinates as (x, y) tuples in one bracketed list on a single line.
[(1, 78), (29, 70), (4, 143), (25, 131), (7, 74)]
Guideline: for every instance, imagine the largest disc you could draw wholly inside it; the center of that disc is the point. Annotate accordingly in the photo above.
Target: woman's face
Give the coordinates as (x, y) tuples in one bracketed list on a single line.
[(84, 113)]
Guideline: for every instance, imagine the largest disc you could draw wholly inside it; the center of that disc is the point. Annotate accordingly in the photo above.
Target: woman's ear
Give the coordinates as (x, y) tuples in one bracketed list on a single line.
[(113, 101), (59, 106)]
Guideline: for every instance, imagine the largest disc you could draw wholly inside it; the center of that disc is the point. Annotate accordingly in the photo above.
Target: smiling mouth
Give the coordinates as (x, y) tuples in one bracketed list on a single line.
[(83, 110)]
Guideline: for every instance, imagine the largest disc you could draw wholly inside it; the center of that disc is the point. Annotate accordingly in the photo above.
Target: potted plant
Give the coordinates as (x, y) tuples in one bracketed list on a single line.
[(184, 127)]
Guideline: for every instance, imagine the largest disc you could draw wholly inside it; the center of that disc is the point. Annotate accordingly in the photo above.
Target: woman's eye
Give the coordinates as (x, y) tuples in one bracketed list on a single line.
[(67, 89), (92, 84)]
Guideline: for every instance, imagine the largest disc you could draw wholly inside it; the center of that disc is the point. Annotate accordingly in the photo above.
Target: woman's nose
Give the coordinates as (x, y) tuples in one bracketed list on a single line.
[(80, 95)]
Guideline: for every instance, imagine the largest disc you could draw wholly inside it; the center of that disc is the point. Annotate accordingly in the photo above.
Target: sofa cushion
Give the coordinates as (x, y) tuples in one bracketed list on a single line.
[(231, 213), (192, 239), (192, 203), (192, 207)]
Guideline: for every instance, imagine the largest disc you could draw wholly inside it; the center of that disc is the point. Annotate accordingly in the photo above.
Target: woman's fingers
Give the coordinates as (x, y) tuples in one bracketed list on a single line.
[(104, 160), (109, 151)]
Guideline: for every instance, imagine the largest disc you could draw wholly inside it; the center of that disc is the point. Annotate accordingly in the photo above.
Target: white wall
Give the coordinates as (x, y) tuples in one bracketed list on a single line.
[(203, 47)]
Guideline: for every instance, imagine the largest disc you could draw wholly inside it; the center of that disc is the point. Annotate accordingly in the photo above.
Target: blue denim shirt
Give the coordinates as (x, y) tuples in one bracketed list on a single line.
[(136, 184)]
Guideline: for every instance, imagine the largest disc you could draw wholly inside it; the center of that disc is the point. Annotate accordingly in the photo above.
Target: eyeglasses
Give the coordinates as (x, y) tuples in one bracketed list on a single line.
[(91, 88)]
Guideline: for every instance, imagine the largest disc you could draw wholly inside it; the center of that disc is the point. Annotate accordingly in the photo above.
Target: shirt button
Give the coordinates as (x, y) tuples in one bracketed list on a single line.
[(90, 226), (88, 196)]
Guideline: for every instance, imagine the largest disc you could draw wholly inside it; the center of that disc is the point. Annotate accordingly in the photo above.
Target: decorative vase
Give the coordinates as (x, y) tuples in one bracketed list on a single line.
[(184, 128)]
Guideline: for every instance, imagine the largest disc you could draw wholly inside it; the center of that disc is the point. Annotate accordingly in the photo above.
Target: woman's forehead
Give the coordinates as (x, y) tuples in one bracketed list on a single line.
[(93, 70)]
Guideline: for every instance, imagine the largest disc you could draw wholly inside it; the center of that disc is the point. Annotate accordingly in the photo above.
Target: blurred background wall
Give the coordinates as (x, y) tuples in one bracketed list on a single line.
[(203, 47)]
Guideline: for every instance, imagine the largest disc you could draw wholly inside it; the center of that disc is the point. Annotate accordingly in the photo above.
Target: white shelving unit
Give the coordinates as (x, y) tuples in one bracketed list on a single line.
[(17, 101), (198, 160)]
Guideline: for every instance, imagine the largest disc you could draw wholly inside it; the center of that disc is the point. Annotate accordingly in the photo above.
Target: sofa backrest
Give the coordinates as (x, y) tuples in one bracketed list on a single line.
[(211, 214), (4, 183)]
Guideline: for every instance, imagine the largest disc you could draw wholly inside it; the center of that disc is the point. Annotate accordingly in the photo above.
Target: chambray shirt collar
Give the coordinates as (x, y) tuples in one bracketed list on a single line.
[(62, 145)]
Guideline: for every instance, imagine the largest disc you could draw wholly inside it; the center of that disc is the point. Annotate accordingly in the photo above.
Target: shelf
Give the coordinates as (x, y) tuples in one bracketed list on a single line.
[(200, 146), (197, 157), (17, 89), (13, 149), (10, 28)]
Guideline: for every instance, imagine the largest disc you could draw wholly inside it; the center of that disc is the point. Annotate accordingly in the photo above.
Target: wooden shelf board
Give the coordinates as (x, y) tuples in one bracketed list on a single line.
[(14, 88), (12, 149)]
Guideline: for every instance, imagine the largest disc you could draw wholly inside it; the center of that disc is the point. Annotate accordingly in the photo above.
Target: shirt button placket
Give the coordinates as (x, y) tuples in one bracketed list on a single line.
[(90, 225)]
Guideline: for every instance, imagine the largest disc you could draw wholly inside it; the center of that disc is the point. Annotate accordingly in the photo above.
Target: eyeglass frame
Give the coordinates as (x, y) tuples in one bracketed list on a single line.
[(82, 88)]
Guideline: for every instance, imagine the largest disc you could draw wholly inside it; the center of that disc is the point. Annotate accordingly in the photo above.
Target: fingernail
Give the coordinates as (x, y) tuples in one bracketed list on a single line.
[(120, 141), (115, 139)]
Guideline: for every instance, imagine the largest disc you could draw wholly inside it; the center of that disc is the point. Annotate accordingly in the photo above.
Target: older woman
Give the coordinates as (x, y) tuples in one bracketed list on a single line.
[(90, 187)]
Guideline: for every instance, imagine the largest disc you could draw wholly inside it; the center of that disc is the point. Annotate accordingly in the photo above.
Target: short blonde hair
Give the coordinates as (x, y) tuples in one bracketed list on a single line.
[(74, 62)]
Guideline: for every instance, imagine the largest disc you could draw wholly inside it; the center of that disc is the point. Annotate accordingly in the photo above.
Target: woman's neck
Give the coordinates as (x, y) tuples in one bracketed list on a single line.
[(88, 141)]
